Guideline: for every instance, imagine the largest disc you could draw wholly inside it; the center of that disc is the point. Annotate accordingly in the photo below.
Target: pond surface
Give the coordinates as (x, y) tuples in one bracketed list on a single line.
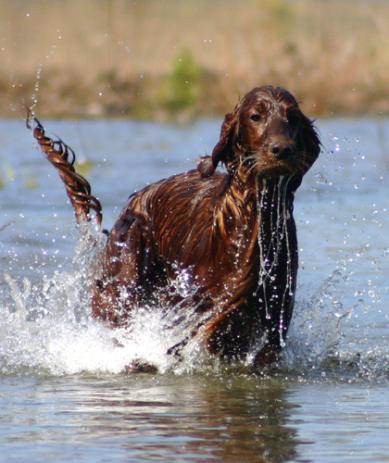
[(63, 396)]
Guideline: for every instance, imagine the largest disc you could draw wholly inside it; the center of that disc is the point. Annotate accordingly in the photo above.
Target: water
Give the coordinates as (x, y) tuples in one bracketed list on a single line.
[(63, 396)]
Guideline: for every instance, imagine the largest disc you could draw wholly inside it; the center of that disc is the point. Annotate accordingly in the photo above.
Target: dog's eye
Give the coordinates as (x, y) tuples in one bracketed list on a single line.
[(256, 117)]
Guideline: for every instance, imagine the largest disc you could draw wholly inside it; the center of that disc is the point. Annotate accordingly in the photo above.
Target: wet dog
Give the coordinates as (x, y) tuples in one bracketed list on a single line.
[(230, 234)]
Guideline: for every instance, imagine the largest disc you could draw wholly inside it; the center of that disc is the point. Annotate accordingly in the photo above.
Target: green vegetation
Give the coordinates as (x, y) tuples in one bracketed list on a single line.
[(183, 84), (7, 173), (183, 59), (30, 183), (83, 167)]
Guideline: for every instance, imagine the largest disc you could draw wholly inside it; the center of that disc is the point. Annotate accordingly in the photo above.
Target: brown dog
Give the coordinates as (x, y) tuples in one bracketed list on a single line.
[(231, 235)]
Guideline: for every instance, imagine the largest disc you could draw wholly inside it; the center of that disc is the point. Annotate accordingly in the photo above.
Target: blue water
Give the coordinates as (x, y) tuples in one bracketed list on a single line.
[(63, 395)]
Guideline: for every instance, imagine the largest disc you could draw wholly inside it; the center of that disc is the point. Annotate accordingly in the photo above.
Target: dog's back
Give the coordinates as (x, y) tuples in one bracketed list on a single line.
[(232, 234)]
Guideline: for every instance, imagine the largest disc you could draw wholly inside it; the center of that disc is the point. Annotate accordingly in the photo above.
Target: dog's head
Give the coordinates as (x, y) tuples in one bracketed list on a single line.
[(268, 133)]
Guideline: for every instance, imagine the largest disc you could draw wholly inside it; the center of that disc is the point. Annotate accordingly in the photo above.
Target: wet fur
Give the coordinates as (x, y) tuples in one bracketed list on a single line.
[(232, 233)]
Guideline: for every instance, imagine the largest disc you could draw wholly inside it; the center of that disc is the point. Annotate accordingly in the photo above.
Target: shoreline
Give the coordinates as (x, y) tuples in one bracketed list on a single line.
[(177, 60), (145, 100)]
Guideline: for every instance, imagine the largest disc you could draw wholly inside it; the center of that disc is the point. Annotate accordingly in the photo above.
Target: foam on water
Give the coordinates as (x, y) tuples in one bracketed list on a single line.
[(46, 328)]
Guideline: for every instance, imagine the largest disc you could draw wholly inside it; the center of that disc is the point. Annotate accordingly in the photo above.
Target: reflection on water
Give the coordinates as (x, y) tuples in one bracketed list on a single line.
[(221, 419), (225, 417)]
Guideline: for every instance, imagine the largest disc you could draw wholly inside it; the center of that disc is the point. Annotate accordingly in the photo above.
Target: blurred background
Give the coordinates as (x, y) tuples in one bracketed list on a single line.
[(139, 67), (169, 59)]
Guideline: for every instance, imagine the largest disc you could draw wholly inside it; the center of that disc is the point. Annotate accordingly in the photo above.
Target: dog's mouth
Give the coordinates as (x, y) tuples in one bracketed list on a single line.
[(265, 164)]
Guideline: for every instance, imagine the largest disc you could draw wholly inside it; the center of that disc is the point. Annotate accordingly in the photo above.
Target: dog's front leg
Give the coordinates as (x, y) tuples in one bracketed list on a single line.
[(118, 289)]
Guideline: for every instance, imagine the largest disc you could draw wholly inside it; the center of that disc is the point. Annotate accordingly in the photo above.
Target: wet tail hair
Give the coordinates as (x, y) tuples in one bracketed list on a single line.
[(62, 157)]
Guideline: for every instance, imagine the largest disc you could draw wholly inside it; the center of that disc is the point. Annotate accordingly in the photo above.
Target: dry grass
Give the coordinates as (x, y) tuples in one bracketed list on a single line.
[(195, 57)]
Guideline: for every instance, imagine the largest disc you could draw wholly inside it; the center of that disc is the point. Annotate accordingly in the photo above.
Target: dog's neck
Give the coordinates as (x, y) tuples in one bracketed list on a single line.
[(253, 206), (277, 253), (274, 209), (245, 186), (255, 214)]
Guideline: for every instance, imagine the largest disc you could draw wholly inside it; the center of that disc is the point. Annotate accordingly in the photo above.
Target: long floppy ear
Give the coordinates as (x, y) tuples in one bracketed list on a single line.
[(223, 148), (308, 146), (309, 142)]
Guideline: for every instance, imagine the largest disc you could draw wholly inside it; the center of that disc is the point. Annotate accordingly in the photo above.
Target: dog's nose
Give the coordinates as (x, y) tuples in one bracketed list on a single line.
[(281, 151)]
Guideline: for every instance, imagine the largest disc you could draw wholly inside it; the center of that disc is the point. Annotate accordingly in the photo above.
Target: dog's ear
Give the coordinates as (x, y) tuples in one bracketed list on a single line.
[(308, 141), (224, 147), (308, 146)]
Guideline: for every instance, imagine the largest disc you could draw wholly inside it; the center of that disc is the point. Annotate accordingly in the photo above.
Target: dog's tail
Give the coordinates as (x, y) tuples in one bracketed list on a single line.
[(62, 157)]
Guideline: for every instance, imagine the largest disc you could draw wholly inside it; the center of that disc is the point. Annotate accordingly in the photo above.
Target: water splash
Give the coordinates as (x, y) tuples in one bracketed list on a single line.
[(35, 94), (46, 328), (315, 331), (274, 199), (321, 347)]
